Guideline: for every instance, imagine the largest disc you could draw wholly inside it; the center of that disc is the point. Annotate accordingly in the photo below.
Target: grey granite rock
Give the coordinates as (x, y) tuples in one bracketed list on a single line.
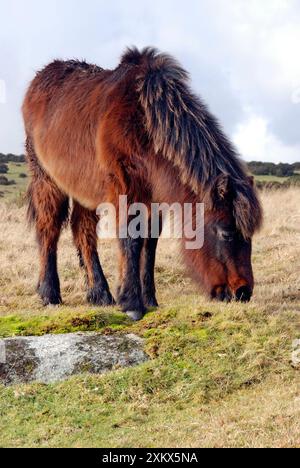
[(52, 358)]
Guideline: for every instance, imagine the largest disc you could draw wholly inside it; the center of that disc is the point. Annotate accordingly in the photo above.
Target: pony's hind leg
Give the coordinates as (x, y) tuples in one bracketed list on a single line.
[(84, 224), (48, 210)]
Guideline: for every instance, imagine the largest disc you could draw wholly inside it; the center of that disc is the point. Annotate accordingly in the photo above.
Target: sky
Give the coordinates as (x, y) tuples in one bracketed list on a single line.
[(242, 56)]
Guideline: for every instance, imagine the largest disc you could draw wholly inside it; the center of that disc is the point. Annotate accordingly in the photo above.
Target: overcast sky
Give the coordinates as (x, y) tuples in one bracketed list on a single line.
[(243, 57)]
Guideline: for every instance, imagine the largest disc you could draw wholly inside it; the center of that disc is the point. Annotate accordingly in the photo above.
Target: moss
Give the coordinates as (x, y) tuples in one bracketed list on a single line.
[(21, 365), (60, 322)]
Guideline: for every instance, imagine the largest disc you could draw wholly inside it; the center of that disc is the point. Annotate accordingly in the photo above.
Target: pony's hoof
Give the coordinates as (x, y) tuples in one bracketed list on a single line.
[(133, 306), (135, 315), (100, 298), (49, 296), (151, 302), (53, 301)]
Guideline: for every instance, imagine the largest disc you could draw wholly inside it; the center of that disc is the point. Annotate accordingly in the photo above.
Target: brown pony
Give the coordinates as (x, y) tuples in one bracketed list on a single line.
[(95, 134)]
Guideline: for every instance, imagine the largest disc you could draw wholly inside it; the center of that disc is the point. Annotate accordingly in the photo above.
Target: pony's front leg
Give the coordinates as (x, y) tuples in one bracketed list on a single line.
[(149, 290), (148, 274), (130, 289)]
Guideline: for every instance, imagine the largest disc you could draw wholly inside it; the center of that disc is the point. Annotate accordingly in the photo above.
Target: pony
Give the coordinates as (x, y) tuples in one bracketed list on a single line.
[(94, 134)]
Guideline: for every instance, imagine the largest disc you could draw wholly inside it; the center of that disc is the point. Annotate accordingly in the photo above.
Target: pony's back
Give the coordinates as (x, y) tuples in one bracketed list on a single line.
[(80, 118)]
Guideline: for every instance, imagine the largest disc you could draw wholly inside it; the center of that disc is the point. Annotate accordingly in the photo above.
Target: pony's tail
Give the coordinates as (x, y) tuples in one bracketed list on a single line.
[(40, 182), (32, 164)]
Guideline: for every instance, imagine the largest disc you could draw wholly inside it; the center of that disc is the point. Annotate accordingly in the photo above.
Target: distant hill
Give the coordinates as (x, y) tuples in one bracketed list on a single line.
[(15, 158), (270, 169)]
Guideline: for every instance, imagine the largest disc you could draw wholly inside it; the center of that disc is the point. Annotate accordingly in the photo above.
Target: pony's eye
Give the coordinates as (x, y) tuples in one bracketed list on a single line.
[(226, 236)]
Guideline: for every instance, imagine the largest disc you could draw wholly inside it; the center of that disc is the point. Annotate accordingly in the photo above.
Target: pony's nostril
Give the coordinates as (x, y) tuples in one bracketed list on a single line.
[(243, 294)]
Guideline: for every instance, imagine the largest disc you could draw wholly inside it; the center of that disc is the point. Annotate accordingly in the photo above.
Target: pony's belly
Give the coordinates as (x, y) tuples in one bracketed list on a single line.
[(83, 182)]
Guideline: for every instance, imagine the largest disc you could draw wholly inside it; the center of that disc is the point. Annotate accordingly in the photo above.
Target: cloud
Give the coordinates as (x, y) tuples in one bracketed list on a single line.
[(241, 56), (255, 141)]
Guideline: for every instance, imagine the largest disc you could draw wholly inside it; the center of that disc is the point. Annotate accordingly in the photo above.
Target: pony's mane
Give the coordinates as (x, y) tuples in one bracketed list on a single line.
[(188, 135)]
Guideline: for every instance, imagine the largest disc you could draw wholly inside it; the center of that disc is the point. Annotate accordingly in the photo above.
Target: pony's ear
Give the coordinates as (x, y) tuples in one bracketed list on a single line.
[(221, 189), (251, 180)]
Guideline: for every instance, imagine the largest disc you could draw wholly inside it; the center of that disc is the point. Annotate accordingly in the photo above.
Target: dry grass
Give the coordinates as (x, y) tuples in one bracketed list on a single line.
[(276, 262), (265, 416), (225, 381)]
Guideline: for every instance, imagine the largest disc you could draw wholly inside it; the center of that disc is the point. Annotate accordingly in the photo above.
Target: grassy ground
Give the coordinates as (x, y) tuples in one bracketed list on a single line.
[(16, 191), (219, 375), (271, 178)]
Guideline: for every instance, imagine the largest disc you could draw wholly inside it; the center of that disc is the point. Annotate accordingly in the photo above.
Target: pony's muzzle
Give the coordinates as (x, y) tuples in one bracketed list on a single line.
[(221, 293), (225, 294)]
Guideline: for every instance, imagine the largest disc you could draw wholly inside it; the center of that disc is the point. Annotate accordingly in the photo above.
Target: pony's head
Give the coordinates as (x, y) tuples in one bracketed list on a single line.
[(223, 265), (184, 133)]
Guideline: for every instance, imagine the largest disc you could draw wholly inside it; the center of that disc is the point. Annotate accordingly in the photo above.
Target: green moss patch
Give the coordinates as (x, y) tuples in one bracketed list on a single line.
[(61, 322)]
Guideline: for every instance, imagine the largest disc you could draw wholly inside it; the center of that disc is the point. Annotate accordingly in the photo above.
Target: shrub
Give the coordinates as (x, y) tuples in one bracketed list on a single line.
[(3, 169), (6, 158), (296, 166), (23, 176), (5, 181), (284, 170), (279, 170)]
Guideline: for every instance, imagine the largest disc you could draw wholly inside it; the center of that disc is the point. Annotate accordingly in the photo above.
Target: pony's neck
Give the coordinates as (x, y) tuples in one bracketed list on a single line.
[(167, 187)]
